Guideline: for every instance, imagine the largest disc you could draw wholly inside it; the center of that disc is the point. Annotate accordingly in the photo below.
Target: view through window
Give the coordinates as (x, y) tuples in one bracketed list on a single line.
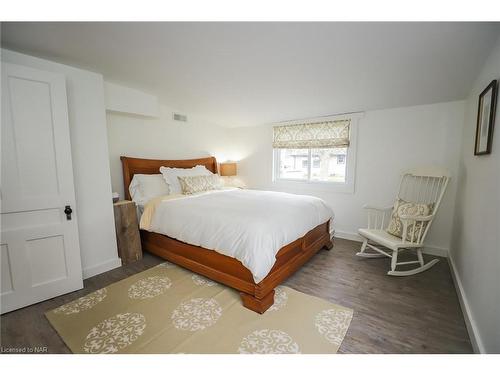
[(320, 164)]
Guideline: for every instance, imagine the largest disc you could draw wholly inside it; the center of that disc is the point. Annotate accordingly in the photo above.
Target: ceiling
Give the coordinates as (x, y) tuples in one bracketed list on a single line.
[(241, 74)]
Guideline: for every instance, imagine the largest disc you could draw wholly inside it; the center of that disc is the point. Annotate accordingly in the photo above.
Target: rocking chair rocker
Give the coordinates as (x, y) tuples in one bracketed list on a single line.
[(420, 186)]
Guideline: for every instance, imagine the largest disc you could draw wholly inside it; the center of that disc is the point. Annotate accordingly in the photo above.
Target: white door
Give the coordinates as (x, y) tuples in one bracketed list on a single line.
[(40, 253)]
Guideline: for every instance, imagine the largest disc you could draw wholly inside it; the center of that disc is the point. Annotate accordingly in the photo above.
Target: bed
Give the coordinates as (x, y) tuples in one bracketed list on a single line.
[(219, 267)]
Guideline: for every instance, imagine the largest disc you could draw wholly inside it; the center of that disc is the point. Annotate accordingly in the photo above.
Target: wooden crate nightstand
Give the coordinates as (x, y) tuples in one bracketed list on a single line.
[(127, 232)]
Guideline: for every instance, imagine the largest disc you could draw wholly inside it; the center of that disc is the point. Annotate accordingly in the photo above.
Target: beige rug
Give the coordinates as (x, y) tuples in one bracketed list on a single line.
[(168, 309)]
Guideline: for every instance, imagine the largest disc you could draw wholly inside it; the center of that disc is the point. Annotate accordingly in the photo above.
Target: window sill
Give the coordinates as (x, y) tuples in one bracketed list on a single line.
[(330, 187)]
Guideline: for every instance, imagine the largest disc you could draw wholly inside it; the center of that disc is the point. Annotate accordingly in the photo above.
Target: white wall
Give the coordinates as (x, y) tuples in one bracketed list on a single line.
[(389, 141), (475, 253), (89, 149), (161, 138)]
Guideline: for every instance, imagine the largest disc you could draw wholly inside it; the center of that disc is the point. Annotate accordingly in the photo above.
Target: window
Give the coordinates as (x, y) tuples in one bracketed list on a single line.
[(320, 151), (305, 163)]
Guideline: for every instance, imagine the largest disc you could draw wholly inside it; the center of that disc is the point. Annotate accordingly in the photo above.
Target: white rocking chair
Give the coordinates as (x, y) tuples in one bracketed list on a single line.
[(419, 185)]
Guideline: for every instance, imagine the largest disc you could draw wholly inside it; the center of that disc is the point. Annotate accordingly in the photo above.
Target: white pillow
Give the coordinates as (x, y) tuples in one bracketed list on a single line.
[(144, 187), (170, 175)]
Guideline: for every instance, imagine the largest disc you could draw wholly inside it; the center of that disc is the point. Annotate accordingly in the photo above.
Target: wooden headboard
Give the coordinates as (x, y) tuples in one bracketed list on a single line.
[(132, 166)]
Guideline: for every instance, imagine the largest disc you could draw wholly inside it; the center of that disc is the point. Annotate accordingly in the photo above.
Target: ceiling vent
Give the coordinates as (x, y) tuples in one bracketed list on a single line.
[(179, 117)]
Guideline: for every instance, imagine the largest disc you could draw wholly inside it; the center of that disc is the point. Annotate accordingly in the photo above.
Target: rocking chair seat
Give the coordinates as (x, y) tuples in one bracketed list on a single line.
[(383, 238)]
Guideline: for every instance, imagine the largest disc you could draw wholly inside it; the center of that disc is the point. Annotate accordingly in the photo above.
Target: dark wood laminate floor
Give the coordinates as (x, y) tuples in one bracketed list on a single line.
[(414, 314)]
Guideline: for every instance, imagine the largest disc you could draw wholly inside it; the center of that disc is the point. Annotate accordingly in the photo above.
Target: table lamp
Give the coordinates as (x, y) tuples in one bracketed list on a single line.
[(228, 169)]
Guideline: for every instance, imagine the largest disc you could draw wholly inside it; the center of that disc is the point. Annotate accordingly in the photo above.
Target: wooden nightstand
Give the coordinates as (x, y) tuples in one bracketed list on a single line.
[(127, 232)]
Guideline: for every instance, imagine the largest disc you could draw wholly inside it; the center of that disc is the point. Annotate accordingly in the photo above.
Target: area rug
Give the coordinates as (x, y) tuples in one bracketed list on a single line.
[(168, 309)]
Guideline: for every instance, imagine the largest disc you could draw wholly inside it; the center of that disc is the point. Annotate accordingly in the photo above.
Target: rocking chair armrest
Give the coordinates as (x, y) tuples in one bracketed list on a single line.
[(377, 208), (416, 218), (377, 216)]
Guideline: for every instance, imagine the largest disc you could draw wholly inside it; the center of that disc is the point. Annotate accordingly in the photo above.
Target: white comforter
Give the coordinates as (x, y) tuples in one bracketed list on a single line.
[(249, 225)]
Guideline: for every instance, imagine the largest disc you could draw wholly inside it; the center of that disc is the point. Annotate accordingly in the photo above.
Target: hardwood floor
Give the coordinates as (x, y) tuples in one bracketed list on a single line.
[(414, 314)]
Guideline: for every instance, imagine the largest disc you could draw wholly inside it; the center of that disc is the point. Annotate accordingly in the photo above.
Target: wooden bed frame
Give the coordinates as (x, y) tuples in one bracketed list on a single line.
[(226, 270)]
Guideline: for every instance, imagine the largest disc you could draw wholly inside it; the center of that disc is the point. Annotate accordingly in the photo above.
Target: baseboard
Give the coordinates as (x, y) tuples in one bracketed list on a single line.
[(429, 249), (437, 251), (101, 267), (477, 343)]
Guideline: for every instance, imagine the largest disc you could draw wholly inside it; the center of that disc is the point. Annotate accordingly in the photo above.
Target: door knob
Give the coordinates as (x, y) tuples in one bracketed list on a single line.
[(68, 211)]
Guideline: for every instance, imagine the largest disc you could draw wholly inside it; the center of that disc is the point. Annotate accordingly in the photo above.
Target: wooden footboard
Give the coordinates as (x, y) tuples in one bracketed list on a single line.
[(229, 271)]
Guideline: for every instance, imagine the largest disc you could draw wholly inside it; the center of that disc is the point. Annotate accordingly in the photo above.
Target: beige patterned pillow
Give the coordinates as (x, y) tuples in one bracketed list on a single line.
[(402, 207), (196, 184)]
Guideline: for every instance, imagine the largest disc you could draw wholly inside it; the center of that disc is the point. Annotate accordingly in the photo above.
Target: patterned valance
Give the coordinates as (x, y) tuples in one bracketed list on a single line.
[(324, 134)]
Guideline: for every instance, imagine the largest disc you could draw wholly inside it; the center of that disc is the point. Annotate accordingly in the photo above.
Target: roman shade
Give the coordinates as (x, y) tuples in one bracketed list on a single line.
[(324, 134)]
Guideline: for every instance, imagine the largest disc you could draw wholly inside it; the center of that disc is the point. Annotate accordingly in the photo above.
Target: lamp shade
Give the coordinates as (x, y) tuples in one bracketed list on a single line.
[(228, 169)]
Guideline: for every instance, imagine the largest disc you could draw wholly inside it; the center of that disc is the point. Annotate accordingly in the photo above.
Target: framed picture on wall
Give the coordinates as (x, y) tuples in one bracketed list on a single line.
[(485, 119)]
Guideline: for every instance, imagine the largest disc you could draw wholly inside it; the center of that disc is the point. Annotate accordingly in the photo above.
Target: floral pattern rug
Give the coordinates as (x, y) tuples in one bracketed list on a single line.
[(168, 309)]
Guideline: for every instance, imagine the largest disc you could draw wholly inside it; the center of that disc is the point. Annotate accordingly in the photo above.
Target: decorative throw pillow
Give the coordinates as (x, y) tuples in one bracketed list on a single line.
[(402, 207), (196, 184), (170, 175)]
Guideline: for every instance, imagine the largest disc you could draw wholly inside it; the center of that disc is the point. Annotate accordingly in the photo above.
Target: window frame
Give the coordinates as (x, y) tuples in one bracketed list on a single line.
[(350, 160)]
